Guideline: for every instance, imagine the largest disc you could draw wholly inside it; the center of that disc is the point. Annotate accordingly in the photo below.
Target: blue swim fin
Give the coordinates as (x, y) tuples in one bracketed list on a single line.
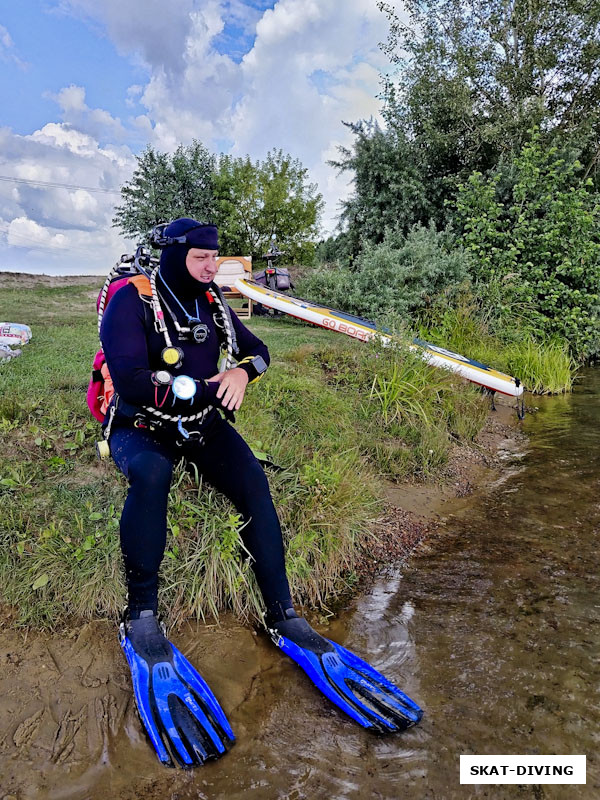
[(352, 684), (181, 715)]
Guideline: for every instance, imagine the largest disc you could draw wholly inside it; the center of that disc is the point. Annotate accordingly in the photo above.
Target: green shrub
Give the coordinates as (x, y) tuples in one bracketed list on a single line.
[(534, 231), (399, 277), (543, 367)]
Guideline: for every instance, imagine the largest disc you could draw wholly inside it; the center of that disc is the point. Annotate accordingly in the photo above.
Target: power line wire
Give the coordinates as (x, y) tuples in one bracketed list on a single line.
[(49, 185)]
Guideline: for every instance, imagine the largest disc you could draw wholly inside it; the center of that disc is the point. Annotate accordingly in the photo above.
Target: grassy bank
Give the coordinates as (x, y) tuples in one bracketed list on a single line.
[(334, 415), (455, 319)]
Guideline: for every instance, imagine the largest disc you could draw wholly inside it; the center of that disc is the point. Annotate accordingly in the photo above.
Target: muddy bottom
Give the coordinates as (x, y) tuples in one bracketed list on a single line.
[(68, 723), (70, 728)]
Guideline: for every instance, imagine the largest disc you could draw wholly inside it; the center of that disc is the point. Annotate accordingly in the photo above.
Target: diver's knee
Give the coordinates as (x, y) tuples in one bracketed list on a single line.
[(151, 470)]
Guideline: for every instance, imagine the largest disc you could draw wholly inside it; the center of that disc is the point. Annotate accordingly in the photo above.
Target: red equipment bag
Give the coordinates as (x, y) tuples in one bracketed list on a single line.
[(100, 389)]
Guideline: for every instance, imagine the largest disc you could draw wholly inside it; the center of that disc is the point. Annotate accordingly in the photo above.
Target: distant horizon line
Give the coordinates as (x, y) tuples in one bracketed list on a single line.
[(53, 274)]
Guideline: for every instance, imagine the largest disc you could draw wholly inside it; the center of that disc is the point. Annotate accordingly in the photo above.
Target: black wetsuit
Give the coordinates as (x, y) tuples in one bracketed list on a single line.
[(133, 353)]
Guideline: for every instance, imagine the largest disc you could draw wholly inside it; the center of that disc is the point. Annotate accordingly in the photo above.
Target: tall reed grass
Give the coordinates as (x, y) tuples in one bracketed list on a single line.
[(543, 367)]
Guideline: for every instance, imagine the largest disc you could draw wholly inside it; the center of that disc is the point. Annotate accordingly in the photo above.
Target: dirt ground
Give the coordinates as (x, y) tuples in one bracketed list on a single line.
[(416, 512), (16, 280)]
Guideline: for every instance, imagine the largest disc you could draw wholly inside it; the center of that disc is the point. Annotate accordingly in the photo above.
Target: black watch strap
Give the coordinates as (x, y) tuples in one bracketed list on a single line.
[(254, 366)]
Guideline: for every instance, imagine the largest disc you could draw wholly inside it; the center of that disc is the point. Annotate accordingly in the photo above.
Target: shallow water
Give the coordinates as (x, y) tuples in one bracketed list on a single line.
[(493, 629)]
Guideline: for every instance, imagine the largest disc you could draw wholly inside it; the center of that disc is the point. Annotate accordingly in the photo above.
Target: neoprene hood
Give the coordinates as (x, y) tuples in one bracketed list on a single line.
[(186, 231), (175, 240)]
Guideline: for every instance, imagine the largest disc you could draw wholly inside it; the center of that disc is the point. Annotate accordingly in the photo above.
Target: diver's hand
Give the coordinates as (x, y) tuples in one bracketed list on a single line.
[(233, 387)]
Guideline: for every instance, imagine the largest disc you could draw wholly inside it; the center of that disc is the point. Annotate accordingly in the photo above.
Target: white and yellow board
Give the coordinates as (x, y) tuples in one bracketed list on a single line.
[(363, 329)]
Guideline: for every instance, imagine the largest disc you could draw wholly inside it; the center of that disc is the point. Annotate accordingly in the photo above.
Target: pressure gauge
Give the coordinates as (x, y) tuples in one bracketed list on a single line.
[(173, 356), (162, 378)]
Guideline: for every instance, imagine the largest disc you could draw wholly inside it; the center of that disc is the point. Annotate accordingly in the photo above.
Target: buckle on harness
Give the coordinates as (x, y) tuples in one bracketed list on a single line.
[(190, 436), (140, 421)]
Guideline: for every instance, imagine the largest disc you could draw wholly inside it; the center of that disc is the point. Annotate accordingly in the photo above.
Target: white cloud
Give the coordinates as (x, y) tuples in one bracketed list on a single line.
[(156, 30), (96, 122), (22, 229), (309, 65), (8, 51), (312, 65), (57, 228), (36, 248), (72, 98)]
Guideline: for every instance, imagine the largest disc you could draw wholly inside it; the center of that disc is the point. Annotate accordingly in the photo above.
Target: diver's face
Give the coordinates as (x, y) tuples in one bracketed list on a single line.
[(202, 264)]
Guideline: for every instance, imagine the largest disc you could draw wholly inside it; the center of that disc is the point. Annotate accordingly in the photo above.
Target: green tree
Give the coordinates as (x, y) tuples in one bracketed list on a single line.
[(534, 229), (470, 80), (259, 200), (474, 77), (389, 187), (164, 187)]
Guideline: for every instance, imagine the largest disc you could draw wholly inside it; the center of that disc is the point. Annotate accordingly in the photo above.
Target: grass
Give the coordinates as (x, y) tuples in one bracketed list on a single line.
[(410, 413), (334, 415), (542, 367), (547, 369)]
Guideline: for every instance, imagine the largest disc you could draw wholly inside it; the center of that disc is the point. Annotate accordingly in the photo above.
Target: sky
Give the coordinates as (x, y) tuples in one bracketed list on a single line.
[(86, 85)]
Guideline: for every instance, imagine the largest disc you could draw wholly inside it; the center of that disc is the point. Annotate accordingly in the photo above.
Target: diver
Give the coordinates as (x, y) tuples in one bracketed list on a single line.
[(163, 336)]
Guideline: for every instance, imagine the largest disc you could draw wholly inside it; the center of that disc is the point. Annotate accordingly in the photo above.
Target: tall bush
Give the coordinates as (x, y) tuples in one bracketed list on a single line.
[(534, 232), (400, 277)]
